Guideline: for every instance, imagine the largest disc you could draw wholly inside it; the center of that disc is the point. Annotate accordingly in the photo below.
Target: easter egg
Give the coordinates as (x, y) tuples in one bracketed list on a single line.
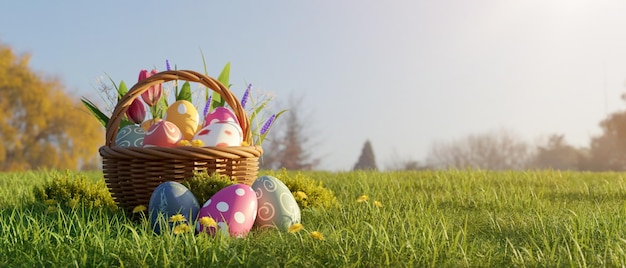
[(220, 134), (220, 114), (276, 205), (234, 209), (168, 199), (130, 136), (162, 134), (148, 123), (185, 116)]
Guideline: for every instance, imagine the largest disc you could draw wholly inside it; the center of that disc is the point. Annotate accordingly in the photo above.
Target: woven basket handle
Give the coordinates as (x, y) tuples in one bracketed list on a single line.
[(166, 76)]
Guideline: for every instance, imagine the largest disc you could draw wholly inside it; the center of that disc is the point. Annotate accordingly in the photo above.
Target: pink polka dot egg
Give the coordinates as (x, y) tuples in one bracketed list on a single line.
[(233, 208)]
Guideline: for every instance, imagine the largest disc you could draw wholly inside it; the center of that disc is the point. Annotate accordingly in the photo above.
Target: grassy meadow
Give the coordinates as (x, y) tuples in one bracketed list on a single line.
[(427, 219)]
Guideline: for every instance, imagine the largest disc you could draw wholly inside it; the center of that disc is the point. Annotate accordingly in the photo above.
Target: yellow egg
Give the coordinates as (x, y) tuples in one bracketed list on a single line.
[(185, 116)]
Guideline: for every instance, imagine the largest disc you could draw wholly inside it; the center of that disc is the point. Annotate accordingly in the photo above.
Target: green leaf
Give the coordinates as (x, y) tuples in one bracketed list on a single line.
[(206, 89), (185, 92), (125, 122), (258, 109), (121, 90), (224, 77), (102, 118), (159, 109), (112, 82)]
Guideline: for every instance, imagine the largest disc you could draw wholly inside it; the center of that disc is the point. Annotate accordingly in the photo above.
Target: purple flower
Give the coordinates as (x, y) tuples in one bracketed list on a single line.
[(245, 97), (167, 65), (207, 106), (268, 124)]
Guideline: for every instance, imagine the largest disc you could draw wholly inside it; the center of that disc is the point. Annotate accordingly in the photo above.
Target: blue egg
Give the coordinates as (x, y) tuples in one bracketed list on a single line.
[(130, 136), (168, 199)]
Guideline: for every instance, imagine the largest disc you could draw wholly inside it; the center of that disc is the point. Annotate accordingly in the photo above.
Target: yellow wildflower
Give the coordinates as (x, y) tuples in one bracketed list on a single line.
[(378, 204), (362, 198), (139, 208), (51, 209), (181, 228), (301, 195), (197, 143), (177, 218), (245, 143), (317, 235), (50, 202), (73, 202), (296, 227), (208, 221), (184, 143)]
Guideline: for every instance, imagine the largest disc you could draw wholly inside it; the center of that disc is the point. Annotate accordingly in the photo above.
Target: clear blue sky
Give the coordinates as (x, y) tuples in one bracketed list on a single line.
[(403, 74)]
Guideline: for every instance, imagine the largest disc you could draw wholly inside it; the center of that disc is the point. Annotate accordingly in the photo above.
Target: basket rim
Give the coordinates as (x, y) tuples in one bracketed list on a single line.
[(123, 104), (181, 152)]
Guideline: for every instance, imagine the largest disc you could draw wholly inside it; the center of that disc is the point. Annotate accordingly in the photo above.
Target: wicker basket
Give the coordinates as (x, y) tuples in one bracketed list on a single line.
[(132, 173)]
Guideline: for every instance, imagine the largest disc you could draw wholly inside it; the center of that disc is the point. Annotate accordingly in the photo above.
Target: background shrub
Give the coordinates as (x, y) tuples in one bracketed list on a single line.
[(309, 193), (73, 189)]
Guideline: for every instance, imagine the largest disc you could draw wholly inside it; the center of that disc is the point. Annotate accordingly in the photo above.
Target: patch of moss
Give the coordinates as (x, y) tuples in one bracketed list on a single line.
[(203, 185)]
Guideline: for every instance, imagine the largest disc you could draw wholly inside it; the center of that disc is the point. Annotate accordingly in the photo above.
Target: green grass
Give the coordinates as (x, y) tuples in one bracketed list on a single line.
[(428, 219)]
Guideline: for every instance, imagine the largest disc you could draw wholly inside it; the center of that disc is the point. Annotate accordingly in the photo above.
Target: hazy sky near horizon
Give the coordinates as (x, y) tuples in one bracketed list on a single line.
[(403, 74)]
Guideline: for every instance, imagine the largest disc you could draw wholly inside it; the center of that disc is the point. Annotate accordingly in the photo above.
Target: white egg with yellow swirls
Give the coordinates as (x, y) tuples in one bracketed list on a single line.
[(276, 204), (130, 136)]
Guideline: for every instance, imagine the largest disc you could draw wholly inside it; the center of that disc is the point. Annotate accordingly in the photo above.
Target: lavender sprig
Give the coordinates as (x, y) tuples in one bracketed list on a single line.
[(207, 106), (167, 65), (268, 124), (245, 97)]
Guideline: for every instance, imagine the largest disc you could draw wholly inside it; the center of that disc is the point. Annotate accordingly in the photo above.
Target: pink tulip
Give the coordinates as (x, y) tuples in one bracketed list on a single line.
[(153, 94), (136, 112)]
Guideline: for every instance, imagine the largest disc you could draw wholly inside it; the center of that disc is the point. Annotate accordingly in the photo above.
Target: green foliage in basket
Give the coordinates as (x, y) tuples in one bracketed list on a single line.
[(71, 190), (184, 93), (121, 90), (260, 123), (203, 185), (309, 193)]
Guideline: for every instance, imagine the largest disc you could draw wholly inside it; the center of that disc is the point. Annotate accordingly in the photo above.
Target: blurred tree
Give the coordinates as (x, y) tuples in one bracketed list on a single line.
[(495, 151), (288, 146), (556, 154), (396, 162), (367, 161), (40, 125), (608, 151)]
